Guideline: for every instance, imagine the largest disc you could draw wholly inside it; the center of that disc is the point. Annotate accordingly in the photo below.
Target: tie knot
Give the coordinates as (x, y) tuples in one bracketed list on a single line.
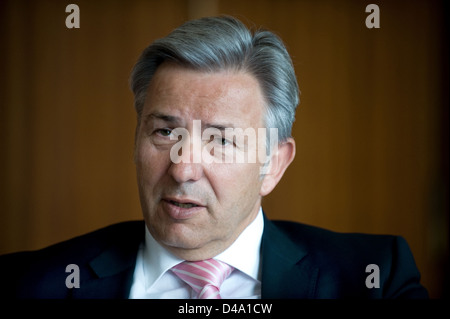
[(205, 276)]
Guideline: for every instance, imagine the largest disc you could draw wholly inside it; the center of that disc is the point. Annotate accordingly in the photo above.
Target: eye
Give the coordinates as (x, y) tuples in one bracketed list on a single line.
[(219, 140), (224, 141), (164, 132)]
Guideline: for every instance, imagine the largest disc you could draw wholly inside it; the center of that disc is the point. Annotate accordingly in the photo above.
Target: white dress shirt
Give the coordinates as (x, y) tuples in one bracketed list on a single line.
[(153, 279)]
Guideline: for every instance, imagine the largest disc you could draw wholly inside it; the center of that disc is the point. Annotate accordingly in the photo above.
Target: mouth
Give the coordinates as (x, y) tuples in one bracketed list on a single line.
[(182, 209), (182, 205)]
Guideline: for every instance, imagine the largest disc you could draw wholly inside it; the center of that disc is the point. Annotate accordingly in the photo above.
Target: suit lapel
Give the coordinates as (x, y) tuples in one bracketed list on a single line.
[(286, 271), (111, 272)]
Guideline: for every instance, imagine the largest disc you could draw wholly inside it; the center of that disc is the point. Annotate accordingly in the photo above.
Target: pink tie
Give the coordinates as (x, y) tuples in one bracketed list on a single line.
[(205, 276)]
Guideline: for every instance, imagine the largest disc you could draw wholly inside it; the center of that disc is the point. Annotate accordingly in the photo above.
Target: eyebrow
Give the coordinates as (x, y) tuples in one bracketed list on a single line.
[(175, 120), (220, 127), (163, 117)]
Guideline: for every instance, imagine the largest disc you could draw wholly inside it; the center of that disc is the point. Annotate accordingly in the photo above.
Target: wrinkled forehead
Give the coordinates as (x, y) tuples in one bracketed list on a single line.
[(227, 95)]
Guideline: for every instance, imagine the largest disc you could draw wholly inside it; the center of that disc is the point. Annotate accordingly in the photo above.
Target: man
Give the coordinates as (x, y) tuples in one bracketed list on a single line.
[(204, 97)]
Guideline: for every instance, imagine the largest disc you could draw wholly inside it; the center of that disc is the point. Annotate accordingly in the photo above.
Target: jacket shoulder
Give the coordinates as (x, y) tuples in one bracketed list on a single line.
[(89, 243), (45, 269), (324, 239), (344, 260)]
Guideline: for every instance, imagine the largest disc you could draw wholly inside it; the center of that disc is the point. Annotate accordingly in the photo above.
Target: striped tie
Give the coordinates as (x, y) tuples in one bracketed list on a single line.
[(205, 276)]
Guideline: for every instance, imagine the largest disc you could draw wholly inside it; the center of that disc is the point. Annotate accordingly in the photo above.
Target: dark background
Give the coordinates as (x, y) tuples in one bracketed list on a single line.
[(371, 129)]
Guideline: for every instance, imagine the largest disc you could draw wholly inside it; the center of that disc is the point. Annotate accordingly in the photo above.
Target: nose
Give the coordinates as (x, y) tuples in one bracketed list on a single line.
[(185, 172), (186, 167)]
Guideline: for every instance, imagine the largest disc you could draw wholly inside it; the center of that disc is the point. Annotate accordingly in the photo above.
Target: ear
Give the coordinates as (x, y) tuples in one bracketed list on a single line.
[(282, 156)]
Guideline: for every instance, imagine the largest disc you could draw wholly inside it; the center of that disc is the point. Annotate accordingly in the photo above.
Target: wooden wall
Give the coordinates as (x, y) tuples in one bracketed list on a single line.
[(371, 129)]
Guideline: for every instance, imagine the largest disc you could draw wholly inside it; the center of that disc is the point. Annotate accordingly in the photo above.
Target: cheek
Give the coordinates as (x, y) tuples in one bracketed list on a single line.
[(150, 165), (236, 184)]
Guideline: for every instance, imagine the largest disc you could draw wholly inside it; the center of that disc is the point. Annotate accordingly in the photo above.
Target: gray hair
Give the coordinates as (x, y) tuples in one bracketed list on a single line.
[(223, 43)]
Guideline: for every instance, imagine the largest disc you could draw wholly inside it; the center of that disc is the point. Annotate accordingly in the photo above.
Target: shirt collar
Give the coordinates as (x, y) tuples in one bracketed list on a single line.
[(158, 260), (244, 253)]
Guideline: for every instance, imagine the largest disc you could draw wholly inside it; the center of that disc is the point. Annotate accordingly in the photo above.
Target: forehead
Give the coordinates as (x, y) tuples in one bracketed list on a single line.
[(210, 96)]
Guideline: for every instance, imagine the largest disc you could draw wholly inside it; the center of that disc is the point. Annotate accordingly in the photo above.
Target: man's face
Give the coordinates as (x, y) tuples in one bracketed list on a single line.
[(197, 209)]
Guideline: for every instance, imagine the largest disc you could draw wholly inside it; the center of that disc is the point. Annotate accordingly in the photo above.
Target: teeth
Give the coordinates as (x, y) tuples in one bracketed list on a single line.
[(183, 205)]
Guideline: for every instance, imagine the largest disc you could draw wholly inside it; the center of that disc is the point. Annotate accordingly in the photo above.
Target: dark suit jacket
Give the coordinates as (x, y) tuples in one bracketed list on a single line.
[(298, 261)]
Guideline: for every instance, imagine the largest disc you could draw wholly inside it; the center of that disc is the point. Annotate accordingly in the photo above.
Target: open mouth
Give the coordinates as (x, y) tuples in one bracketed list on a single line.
[(182, 205)]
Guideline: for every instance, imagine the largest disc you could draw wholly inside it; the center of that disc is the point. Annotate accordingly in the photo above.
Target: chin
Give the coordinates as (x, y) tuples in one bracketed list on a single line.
[(181, 236)]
